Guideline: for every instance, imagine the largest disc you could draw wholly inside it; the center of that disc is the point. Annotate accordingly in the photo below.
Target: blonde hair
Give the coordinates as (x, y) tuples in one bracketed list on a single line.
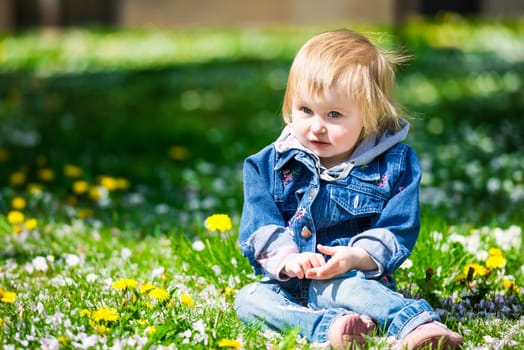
[(356, 68)]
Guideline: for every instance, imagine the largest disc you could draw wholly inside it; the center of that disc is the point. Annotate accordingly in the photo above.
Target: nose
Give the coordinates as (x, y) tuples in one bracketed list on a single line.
[(318, 125)]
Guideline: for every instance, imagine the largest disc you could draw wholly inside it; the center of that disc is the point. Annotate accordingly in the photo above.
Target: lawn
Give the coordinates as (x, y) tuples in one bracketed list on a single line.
[(121, 182)]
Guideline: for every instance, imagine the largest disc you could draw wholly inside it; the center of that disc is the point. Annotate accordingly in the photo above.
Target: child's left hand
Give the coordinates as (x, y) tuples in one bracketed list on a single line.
[(343, 259)]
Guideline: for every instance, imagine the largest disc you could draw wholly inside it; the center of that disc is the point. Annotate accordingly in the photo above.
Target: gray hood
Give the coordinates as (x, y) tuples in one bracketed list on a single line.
[(366, 151)]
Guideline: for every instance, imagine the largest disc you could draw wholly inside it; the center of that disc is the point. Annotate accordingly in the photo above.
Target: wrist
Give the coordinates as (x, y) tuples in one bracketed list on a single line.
[(363, 259)]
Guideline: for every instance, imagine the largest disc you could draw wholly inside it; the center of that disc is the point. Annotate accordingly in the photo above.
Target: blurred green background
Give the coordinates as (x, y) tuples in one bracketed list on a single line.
[(176, 111)]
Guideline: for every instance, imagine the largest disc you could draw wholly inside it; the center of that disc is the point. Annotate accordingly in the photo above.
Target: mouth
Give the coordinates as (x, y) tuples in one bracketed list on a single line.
[(318, 143)]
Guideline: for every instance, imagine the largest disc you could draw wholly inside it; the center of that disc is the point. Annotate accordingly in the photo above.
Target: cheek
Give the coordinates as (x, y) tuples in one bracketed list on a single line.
[(345, 137), (298, 126)]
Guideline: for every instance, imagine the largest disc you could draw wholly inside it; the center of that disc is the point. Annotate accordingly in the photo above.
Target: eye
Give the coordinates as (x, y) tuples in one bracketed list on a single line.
[(334, 114), (306, 110)]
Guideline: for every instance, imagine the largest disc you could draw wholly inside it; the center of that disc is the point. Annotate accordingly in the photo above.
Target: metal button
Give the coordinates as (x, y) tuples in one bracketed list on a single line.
[(312, 192), (306, 233)]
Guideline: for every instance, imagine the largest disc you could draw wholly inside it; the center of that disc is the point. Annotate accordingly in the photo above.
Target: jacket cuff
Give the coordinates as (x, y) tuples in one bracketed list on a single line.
[(383, 248), (270, 245)]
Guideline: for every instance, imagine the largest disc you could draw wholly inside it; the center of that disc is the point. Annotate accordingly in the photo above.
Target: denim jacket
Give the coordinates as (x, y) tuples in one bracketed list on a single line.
[(292, 203)]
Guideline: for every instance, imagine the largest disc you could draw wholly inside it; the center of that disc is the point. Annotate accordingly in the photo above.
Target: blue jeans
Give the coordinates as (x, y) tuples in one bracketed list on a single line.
[(312, 305)]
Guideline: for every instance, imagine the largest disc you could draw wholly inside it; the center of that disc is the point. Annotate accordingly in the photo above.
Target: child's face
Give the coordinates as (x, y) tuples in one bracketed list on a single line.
[(330, 125)]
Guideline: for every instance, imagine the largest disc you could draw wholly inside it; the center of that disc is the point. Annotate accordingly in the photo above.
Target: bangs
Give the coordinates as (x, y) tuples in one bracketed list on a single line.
[(350, 82)]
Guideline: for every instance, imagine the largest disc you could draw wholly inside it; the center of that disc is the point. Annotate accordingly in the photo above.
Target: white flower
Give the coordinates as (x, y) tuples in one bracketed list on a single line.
[(29, 268), (201, 337), (407, 264), (216, 269), (125, 253), (62, 281), (157, 272), (198, 245), (508, 238), (186, 335), (90, 278), (161, 209), (40, 264), (72, 260), (488, 339), (437, 236), (482, 255)]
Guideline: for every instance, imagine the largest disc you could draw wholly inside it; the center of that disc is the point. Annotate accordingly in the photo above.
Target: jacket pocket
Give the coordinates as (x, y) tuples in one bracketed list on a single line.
[(363, 201)]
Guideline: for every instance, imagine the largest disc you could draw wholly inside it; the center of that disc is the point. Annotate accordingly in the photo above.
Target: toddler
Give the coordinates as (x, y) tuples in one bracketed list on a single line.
[(331, 208)]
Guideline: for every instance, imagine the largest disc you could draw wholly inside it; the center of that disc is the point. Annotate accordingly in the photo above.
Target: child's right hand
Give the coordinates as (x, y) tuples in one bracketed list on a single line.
[(298, 264)]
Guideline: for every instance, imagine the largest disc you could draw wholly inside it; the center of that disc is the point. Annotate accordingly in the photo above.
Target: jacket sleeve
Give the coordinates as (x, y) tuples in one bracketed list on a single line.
[(392, 237), (264, 237)]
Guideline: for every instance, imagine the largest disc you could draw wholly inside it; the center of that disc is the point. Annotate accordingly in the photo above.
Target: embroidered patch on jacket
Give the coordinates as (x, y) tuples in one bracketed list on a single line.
[(300, 213), (382, 182), (288, 175)]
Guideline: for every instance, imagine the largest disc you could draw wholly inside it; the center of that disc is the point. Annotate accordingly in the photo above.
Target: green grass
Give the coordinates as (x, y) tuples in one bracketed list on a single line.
[(174, 113)]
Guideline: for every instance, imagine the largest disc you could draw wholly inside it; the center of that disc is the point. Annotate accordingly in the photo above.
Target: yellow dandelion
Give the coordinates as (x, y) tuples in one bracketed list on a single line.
[(142, 322), (187, 300), (124, 284), (146, 287), (8, 297), (84, 213), (151, 330), (102, 329), (64, 340), (495, 262), (1, 322), (218, 222), (80, 187), (18, 203), (15, 217), (229, 292), (72, 171), (34, 189), (85, 313), (510, 285), (495, 259), (122, 184), (159, 294), (17, 178), (72, 201), (478, 270), (495, 251), (30, 224), (108, 182), (46, 174), (105, 313), (4, 155), (229, 343), (178, 153), (95, 193)]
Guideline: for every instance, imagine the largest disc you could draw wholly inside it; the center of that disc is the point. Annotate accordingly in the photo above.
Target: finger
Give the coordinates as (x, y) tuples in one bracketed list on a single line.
[(323, 272), (317, 260), (297, 271), (317, 274), (326, 250)]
